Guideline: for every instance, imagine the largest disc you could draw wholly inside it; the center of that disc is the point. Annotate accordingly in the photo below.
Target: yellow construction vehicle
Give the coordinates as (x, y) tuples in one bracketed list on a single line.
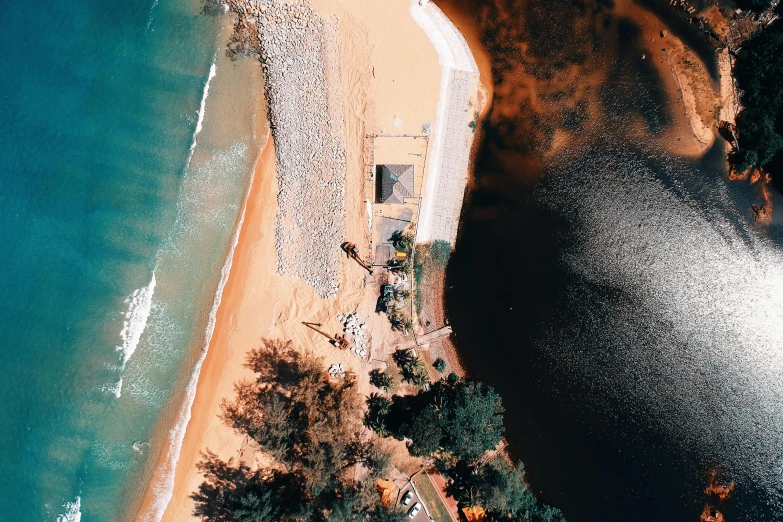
[(350, 249), (338, 341)]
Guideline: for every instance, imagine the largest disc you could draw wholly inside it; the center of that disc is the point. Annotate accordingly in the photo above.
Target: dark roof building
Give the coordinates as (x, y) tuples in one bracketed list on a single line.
[(393, 183)]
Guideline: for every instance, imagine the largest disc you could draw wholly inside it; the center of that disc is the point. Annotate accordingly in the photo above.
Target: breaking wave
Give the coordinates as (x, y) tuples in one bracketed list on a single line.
[(115, 389), (164, 479), (73, 511), (139, 306), (202, 108)]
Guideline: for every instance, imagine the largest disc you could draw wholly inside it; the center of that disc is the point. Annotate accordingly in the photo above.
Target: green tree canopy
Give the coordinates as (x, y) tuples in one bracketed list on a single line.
[(759, 73), (472, 418), (311, 427), (464, 418), (424, 429)]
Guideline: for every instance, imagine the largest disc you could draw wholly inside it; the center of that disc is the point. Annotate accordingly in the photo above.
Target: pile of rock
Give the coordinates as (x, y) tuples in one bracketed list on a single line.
[(336, 371), (351, 325), (298, 54)]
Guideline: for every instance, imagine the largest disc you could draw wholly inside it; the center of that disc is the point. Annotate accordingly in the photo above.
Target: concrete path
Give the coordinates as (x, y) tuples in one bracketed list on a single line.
[(426, 338), (444, 188)]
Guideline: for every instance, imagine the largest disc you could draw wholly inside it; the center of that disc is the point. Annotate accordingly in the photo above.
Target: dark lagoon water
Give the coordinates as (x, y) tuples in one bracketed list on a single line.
[(620, 298)]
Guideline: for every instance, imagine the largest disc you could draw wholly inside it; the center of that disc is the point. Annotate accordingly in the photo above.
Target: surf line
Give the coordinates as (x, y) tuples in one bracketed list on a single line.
[(163, 488), (202, 108), (73, 511)]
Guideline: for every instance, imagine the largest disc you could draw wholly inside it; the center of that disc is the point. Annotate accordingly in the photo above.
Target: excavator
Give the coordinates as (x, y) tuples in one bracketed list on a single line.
[(338, 341), (350, 249)]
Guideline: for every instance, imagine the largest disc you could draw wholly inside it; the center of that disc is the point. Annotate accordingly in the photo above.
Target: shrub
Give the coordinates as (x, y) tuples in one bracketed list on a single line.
[(439, 365), (381, 379)]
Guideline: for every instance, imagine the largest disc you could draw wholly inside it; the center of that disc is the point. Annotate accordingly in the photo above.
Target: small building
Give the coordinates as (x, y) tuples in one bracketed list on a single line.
[(386, 489), (474, 514), (393, 183)]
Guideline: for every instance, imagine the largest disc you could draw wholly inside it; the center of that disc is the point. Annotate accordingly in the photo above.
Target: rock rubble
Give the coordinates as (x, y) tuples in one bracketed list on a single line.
[(298, 54), (352, 326)]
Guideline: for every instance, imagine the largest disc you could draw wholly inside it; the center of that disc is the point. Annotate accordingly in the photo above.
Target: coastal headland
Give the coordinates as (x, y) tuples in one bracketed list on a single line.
[(355, 92), (348, 86)]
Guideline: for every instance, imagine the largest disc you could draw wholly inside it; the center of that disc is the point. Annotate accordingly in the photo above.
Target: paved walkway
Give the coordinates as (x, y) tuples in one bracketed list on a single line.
[(440, 486), (448, 170), (440, 333)]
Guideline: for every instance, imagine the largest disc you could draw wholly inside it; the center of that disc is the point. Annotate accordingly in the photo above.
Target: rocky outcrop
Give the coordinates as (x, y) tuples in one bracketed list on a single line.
[(762, 213)]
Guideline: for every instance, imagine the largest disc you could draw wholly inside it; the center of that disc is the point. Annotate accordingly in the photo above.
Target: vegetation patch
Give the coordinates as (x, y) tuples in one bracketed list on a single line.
[(311, 428), (429, 271), (759, 73), (459, 422)]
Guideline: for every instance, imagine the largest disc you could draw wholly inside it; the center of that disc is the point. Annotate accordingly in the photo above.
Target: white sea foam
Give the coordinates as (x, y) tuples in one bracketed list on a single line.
[(152, 10), (73, 511), (139, 306), (115, 389), (164, 479), (202, 108)]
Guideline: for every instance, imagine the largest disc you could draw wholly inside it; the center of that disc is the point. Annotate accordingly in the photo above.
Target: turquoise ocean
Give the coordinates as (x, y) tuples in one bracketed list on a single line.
[(127, 142)]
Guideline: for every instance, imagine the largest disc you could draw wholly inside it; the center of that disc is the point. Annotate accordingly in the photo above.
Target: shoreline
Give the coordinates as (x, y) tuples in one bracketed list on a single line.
[(162, 485), (209, 364), (376, 81)]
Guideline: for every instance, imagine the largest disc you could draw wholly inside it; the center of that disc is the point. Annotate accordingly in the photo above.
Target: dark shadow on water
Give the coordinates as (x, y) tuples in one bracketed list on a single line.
[(544, 336), (520, 314), (507, 287), (633, 86)]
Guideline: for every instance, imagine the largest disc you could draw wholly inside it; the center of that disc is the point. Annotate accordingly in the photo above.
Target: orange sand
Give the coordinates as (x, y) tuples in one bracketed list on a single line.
[(390, 78)]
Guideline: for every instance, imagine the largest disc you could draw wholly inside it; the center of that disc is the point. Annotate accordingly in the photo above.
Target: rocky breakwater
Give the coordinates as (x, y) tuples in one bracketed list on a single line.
[(298, 54)]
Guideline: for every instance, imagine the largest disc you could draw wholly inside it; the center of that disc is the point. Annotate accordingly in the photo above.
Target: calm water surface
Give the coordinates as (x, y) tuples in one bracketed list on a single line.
[(620, 298)]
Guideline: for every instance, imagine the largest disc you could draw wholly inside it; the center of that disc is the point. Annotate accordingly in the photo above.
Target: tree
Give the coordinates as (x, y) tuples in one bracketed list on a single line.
[(304, 421), (424, 430), (403, 241), (381, 514), (382, 380), (398, 320), (411, 367), (504, 488), (500, 489), (419, 376), (235, 494), (439, 365), (472, 419), (759, 73), (311, 429), (378, 408)]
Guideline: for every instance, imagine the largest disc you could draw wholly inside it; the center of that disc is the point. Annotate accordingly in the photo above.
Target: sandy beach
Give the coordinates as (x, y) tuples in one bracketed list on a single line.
[(388, 80)]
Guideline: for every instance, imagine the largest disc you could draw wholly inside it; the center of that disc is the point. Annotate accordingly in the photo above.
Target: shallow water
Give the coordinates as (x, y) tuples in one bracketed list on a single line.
[(128, 141), (621, 299)]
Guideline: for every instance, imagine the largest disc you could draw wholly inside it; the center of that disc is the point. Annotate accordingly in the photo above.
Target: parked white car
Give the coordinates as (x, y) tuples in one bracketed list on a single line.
[(406, 498), (412, 512)]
